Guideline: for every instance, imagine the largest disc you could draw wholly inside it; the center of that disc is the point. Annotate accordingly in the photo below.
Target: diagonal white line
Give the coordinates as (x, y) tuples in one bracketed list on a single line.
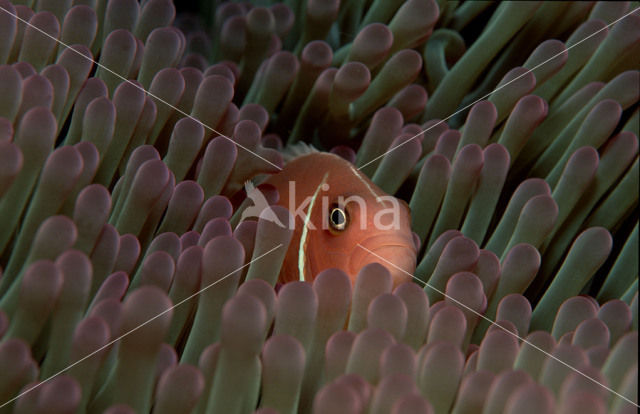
[(181, 112), (501, 327), (137, 327), (498, 88), (278, 246)]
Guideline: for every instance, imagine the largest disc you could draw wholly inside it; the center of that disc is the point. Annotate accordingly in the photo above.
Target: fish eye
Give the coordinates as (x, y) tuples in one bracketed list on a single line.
[(338, 219)]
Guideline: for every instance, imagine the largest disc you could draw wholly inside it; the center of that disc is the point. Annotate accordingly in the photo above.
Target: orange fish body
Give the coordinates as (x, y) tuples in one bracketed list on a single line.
[(340, 218)]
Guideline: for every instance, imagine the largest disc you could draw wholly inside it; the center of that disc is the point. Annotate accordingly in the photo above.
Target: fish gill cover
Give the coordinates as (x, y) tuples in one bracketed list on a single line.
[(133, 283)]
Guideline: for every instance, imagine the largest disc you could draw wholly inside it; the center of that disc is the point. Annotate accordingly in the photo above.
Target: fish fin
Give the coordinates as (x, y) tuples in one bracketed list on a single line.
[(290, 152)]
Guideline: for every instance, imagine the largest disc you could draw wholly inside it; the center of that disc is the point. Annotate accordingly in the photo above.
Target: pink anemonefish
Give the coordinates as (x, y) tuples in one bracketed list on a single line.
[(344, 210)]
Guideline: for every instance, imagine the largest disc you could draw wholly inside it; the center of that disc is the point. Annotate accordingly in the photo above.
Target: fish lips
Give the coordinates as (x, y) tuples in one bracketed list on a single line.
[(395, 252)]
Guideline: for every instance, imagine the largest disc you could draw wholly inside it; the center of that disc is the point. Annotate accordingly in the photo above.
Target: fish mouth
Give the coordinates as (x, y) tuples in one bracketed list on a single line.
[(396, 253)]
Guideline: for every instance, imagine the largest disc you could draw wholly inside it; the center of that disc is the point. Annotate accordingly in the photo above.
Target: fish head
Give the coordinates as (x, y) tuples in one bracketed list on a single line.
[(387, 239), (357, 224), (342, 220)]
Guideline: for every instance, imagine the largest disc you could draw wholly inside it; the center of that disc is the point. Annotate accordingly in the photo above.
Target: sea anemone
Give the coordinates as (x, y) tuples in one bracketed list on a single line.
[(132, 283)]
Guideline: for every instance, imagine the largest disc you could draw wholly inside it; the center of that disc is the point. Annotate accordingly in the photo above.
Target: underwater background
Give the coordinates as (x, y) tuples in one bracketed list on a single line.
[(129, 284)]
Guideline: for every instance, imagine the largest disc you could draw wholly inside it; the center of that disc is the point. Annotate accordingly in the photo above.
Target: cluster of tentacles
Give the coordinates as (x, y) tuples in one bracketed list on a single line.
[(130, 284)]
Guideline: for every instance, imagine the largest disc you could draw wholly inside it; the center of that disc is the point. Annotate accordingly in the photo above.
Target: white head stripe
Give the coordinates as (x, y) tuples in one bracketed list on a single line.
[(302, 247)]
